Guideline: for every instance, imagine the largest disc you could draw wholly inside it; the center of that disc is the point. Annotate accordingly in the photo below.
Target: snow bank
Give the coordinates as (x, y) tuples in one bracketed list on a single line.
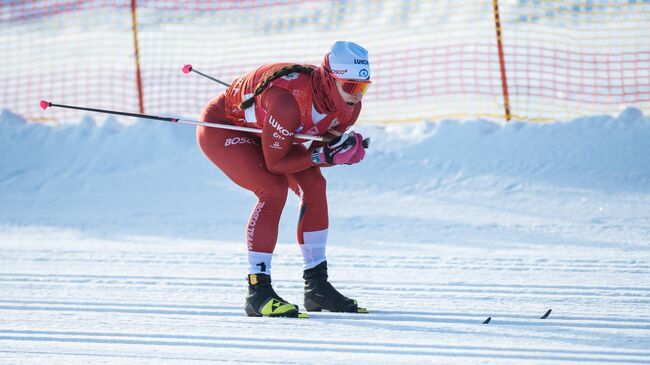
[(599, 152), (149, 177)]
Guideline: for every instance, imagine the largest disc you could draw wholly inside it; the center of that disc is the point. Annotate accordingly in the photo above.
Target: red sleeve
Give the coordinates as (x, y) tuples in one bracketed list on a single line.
[(282, 120)]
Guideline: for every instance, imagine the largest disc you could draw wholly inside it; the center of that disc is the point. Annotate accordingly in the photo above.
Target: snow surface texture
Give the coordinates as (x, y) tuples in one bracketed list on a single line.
[(123, 244)]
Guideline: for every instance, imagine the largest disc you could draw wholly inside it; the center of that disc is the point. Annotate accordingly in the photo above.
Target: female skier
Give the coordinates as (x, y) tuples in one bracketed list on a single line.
[(284, 100)]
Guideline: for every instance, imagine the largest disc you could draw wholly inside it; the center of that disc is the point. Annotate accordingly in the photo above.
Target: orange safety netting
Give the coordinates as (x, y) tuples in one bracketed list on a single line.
[(429, 59)]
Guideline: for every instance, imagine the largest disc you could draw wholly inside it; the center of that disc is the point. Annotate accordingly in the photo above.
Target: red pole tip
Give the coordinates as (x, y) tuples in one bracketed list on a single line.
[(45, 104), (187, 69)]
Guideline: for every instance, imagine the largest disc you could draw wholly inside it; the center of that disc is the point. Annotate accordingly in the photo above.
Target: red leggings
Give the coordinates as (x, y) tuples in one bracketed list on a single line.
[(239, 156)]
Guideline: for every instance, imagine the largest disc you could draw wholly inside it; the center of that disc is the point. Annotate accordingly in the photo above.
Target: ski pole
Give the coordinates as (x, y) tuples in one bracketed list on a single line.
[(46, 104), (188, 68)]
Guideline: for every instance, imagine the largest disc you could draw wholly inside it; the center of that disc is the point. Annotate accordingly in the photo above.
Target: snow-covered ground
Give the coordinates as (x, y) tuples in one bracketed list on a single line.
[(123, 244)]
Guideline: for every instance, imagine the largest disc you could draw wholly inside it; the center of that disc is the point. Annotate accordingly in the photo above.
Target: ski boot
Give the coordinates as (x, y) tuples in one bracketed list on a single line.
[(262, 300), (320, 294)]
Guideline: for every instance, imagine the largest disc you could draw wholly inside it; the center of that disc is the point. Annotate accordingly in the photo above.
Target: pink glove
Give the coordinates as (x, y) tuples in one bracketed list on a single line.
[(340, 150), (360, 152)]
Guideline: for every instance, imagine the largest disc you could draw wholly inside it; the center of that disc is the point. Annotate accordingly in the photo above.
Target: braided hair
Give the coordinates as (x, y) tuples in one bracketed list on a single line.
[(265, 83)]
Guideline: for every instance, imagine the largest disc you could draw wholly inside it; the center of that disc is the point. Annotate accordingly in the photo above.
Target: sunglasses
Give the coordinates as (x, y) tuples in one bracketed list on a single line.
[(352, 87)]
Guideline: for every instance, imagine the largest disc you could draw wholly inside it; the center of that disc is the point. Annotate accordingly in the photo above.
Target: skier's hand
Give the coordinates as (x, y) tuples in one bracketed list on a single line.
[(344, 149), (360, 152)]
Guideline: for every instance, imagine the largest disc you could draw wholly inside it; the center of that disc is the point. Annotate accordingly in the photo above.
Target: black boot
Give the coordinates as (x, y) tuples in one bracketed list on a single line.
[(262, 300), (320, 294)]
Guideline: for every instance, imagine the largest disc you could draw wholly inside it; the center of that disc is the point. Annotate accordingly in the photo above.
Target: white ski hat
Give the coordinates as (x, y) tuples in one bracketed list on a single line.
[(349, 60)]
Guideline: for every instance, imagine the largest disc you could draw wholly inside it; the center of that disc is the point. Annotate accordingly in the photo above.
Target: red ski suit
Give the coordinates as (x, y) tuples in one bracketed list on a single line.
[(271, 164)]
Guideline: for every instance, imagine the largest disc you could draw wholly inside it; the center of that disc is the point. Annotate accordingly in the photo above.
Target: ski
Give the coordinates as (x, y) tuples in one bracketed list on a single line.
[(306, 316), (548, 313)]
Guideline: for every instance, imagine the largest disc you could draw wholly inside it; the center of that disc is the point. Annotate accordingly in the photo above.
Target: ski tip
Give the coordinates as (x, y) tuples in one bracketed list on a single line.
[(487, 320), (302, 315), (362, 310), (187, 69), (45, 104), (548, 313)]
